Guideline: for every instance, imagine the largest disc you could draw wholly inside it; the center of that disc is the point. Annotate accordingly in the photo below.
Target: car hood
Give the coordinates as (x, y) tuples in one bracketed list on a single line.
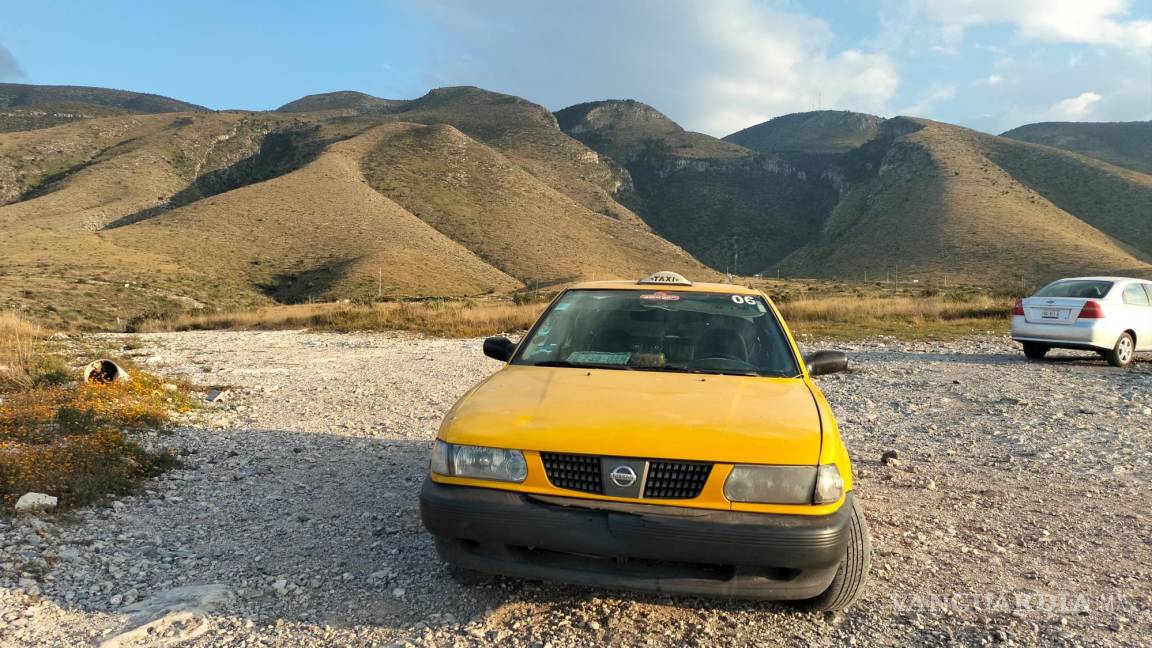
[(730, 419)]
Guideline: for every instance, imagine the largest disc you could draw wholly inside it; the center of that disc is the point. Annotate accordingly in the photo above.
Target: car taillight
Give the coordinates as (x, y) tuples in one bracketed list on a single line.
[(1091, 310), (1019, 308)]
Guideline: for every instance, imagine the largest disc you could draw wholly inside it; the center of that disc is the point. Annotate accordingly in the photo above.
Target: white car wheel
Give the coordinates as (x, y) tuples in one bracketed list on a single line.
[(1121, 354)]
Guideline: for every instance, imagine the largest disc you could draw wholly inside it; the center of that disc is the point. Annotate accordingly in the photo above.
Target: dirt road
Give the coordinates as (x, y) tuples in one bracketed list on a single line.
[(1018, 513)]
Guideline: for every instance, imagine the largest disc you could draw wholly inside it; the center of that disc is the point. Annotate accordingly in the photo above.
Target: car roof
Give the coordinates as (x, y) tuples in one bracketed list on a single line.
[(729, 289), (1113, 279)]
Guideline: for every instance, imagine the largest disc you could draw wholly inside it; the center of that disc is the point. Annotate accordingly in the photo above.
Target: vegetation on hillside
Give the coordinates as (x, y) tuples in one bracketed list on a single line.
[(118, 217), (28, 107), (819, 131), (735, 209), (944, 201), (73, 440)]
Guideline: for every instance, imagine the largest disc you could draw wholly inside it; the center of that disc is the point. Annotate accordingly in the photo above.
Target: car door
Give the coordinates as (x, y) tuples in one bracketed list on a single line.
[(1138, 313), (1146, 345)]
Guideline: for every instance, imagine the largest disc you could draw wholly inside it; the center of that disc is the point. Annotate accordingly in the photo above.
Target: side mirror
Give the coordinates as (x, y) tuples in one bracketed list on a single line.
[(825, 362), (499, 348)]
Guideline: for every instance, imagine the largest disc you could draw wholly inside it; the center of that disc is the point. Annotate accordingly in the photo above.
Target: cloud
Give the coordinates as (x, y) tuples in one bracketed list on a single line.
[(10, 69), (717, 66), (1074, 108), (1094, 22), (1106, 85), (936, 94)]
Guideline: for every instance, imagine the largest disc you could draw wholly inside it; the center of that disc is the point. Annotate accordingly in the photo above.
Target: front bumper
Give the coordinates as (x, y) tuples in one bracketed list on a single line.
[(635, 546)]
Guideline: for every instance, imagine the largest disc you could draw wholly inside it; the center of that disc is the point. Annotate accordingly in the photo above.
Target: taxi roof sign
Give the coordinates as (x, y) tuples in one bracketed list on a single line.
[(666, 278)]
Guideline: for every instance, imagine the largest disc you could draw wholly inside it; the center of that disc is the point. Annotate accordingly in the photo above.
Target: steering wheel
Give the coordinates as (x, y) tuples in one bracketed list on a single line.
[(720, 356)]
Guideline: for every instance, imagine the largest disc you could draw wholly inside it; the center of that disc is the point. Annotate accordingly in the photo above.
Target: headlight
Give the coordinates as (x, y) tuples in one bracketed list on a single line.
[(478, 462), (784, 484)]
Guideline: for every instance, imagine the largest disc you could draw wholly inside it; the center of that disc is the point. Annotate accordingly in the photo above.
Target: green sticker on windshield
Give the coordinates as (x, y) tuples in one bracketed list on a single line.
[(600, 357)]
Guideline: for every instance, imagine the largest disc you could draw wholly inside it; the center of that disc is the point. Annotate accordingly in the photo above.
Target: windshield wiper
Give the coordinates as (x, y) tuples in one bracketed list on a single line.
[(578, 365), (721, 372), (683, 369)]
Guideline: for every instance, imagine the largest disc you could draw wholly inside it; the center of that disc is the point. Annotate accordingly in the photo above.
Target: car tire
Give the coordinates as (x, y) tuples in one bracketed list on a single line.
[(1121, 355), (848, 584), (470, 577), (1035, 351)]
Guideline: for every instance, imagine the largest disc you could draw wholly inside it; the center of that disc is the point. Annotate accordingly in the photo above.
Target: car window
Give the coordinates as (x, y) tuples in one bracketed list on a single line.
[(1134, 295), (1078, 288), (657, 330)]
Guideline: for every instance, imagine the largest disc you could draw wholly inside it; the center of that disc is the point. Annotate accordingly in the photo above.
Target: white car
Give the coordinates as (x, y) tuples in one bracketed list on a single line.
[(1109, 315)]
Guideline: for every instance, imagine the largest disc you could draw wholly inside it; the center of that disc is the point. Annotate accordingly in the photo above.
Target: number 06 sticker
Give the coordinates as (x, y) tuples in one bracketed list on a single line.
[(744, 299)]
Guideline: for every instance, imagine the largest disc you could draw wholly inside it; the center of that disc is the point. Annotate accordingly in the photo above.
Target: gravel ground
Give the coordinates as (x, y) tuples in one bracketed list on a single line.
[(1017, 513)]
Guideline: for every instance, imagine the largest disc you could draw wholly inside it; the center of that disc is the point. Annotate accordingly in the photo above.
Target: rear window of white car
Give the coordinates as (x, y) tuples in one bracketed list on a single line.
[(1134, 295), (1077, 288)]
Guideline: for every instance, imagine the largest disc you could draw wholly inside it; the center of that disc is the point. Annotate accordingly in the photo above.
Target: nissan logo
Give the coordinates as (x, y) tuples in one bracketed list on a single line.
[(623, 476)]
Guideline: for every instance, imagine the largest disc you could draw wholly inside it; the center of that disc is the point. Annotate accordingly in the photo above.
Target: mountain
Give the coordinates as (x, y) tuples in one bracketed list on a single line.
[(462, 192), (138, 206), (947, 201), (624, 129), (27, 107), (820, 131), (733, 208), (356, 103), (840, 194), (1125, 144)]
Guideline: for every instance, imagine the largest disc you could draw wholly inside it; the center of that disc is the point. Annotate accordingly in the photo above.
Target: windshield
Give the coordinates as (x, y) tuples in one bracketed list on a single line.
[(661, 331), (1081, 289)]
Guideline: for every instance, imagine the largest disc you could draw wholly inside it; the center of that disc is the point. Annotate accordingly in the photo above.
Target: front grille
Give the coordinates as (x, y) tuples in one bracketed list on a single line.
[(666, 479), (574, 472), (676, 479)]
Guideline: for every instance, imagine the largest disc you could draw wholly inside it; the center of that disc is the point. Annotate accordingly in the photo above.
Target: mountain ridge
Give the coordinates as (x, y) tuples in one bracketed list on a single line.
[(1125, 144), (818, 131)]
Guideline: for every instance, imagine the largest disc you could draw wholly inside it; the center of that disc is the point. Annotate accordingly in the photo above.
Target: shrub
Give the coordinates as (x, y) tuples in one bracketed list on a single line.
[(74, 440), (19, 341), (51, 370)]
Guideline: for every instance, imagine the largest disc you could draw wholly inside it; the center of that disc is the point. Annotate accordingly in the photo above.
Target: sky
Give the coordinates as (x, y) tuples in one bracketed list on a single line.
[(714, 66)]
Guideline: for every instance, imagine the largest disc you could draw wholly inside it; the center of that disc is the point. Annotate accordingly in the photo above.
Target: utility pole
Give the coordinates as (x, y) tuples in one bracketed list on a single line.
[(379, 283)]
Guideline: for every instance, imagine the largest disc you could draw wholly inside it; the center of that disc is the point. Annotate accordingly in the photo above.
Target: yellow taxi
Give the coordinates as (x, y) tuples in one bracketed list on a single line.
[(657, 435)]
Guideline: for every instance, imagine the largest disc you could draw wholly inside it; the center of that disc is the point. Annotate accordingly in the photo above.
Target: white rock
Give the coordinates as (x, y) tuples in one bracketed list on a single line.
[(35, 502), (179, 615)]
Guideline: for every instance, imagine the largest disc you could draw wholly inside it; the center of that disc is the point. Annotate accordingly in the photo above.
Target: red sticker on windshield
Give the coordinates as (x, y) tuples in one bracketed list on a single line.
[(660, 296)]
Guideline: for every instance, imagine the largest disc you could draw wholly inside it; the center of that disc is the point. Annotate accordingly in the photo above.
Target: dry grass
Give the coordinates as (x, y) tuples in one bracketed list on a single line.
[(438, 318), (19, 341), (844, 316), (912, 317), (70, 439), (857, 310)]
